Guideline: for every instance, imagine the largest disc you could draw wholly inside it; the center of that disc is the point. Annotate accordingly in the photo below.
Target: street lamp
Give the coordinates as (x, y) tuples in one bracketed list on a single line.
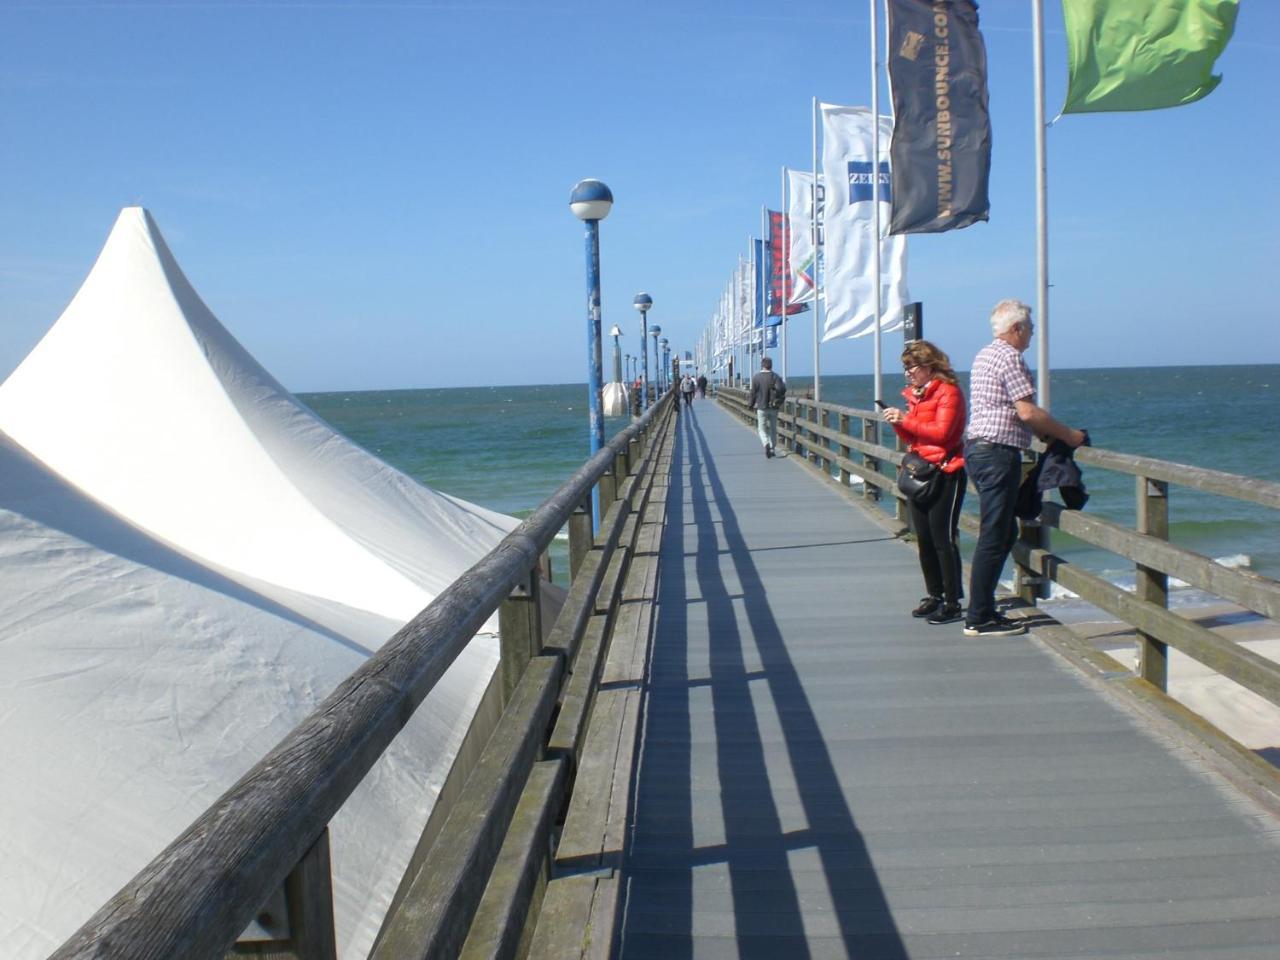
[(666, 364), (642, 303), (655, 331), (590, 202)]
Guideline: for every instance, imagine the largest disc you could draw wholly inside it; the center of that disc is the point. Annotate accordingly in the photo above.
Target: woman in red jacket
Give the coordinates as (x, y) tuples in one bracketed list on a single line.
[(933, 425)]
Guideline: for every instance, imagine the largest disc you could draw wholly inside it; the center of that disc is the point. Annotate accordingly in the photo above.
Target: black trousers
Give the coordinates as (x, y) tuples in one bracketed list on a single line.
[(937, 531), (997, 472)]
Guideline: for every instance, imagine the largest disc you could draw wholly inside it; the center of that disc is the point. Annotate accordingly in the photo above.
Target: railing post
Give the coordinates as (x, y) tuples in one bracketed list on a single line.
[(1029, 585), (900, 511), (871, 434), (1152, 585), (824, 457), (580, 537), (307, 926), (845, 452), (520, 630), (621, 470), (814, 457), (608, 485)]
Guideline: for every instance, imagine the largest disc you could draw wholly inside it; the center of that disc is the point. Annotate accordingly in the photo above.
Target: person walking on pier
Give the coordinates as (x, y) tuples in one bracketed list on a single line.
[(767, 389), (933, 426), (1002, 419), (702, 386), (687, 386)]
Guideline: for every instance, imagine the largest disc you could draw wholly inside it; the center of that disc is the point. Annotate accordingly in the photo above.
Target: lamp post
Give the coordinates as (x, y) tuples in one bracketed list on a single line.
[(642, 303), (590, 202), (656, 331), (666, 364)]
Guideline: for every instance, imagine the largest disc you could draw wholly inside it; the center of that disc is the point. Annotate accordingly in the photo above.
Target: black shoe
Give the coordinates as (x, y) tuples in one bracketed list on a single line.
[(768, 451), (998, 626), (927, 606), (947, 613)]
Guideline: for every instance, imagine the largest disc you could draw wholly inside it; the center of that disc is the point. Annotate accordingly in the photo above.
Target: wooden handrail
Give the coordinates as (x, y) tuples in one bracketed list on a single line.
[(201, 891), (1148, 548)]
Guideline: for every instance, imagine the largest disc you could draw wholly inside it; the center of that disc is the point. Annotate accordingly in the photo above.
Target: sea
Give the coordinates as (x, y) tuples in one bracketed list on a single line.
[(508, 448)]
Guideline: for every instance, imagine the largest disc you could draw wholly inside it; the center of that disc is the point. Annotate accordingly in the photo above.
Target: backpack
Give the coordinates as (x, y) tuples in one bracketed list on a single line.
[(777, 393)]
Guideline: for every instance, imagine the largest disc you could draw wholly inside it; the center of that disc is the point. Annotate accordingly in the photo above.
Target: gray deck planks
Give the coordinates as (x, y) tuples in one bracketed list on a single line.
[(823, 776)]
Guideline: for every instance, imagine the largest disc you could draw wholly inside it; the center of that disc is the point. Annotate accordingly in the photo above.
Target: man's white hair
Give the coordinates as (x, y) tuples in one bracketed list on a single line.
[(1006, 313)]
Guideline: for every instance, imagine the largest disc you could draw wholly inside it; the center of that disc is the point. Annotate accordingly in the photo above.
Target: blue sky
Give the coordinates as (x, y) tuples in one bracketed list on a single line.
[(375, 195)]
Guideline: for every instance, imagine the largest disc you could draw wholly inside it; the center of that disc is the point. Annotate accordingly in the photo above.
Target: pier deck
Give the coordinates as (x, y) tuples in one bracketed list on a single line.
[(822, 776)]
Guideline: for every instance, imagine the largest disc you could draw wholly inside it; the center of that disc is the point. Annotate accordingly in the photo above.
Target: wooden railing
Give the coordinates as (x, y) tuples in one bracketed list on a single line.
[(807, 429), (475, 890)]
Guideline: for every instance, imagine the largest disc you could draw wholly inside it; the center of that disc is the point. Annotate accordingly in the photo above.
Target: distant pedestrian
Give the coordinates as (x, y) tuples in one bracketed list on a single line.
[(687, 386), (1002, 419), (702, 386), (933, 426), (767, 392)]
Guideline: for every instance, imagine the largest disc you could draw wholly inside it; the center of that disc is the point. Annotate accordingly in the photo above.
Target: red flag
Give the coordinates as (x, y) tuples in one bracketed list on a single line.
[(780, 266)]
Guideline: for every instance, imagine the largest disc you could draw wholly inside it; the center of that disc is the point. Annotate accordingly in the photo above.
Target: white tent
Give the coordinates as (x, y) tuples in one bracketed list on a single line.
[(191, 561)]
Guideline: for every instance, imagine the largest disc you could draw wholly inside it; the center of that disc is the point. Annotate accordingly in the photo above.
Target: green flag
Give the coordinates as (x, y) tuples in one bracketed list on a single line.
[(1143, 54)]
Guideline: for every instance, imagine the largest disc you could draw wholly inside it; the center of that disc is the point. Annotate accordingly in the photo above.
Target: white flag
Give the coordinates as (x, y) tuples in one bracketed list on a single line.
[(850, 287), (800, 216)]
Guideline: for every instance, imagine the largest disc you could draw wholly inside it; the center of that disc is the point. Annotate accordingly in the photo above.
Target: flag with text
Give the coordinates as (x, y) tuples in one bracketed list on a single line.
[(851, 286), (941, 156)]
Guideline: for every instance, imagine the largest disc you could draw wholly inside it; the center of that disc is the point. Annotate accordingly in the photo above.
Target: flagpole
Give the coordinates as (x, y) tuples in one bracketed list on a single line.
[(817, 290), (875, 189), (786, 267), (1042, 211), (760, 279)]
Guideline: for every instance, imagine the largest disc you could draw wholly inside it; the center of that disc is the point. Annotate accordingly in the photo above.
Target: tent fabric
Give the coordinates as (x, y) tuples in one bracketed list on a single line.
[(192, 561)]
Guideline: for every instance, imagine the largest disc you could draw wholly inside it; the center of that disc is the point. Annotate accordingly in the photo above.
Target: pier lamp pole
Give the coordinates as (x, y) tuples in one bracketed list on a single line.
[(666, 365), (656, 331), (590, 202), (642, 303)]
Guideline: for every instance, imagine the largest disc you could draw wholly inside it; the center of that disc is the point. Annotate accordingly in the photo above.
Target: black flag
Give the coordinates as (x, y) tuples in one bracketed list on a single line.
[(941, 128)]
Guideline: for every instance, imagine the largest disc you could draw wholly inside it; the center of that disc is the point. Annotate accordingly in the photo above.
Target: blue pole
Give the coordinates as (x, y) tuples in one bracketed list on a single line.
[(644, 352), (594, 363)]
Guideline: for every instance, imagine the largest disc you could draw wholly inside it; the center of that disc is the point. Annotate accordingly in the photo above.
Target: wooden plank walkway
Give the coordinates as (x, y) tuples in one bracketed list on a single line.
[(822, 776)]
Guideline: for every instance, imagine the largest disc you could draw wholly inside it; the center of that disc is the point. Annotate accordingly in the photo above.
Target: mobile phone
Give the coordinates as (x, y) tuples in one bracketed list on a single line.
[(882, 405)]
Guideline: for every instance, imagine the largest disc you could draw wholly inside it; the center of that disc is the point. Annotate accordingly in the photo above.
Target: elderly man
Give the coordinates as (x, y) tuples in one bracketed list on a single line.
[(1002, 420)]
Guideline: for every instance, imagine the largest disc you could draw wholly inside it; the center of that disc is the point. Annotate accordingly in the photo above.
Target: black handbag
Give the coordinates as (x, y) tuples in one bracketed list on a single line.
[(918, 479)]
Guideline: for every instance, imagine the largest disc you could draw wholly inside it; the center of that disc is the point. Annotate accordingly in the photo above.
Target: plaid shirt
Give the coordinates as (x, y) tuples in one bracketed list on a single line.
[(998, 378)]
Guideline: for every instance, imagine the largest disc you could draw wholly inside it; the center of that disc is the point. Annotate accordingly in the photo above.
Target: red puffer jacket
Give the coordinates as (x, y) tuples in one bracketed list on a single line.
[(934, 423)]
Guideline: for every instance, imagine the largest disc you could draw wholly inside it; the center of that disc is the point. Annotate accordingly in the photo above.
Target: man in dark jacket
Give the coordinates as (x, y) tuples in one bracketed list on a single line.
[(766, 417)]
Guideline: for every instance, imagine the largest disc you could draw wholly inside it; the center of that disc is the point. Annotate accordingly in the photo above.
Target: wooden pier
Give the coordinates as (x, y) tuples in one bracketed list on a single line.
[(734, 741), (823, 776)]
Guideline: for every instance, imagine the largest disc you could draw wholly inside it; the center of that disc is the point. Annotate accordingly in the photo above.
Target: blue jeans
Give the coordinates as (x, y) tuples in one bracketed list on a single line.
[(996, 471)]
